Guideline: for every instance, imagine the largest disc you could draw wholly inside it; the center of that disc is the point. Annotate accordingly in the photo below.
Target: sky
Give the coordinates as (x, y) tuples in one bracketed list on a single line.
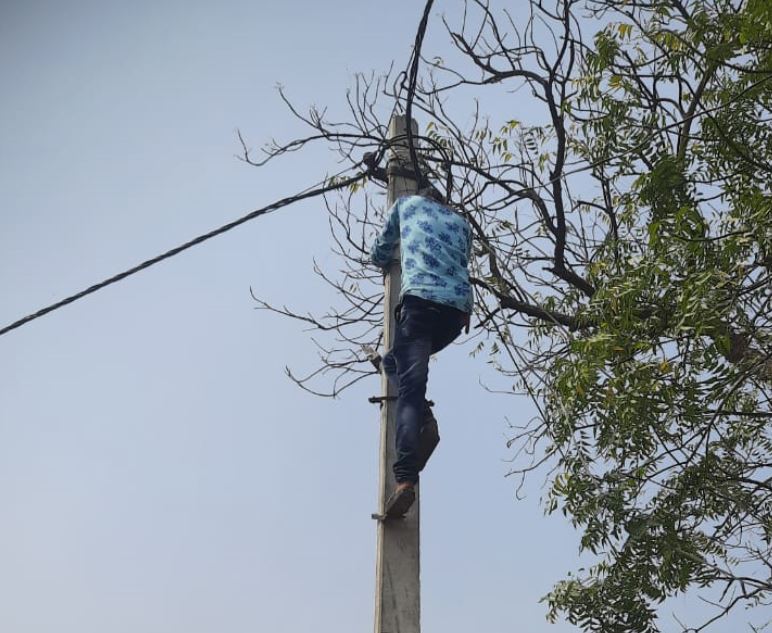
[(158, 471)]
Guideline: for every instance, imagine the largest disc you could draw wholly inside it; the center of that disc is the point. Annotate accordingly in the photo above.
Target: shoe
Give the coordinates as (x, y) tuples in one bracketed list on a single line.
[(399, 503), (429, 437)]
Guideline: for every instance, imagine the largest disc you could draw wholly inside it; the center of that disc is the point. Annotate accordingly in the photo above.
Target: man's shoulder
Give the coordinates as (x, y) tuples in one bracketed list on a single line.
[(409, 200), (414, 205)]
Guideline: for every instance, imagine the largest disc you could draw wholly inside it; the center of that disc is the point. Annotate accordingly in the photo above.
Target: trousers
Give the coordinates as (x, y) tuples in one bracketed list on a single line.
[(422, 328)]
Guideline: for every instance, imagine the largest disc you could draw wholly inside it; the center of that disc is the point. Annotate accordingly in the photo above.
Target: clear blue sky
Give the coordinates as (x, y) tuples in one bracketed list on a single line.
[(158, 472)]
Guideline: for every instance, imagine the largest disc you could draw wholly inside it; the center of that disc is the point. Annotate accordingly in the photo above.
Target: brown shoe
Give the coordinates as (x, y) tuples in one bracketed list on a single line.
[(399, 503)]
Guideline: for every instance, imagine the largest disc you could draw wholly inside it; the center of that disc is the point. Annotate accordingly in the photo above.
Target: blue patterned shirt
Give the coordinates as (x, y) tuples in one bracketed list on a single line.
[(435, 244)]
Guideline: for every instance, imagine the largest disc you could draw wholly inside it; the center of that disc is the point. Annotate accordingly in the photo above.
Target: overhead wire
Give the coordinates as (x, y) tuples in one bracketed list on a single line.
[(310, 192), (412, 84)]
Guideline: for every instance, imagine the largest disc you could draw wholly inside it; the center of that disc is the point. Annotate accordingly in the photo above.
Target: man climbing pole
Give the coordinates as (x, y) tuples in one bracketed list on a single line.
[(435, 305)]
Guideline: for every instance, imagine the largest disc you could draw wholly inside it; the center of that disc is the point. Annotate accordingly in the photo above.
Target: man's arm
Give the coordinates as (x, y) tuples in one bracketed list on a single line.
[(468, 244), (467, 322), (383, 247)]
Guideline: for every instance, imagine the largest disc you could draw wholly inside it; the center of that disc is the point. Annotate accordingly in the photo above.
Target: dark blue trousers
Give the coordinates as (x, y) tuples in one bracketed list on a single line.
[(422, 329)]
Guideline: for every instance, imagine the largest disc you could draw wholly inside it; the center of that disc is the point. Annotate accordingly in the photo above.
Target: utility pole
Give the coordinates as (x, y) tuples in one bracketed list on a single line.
[(397, 567)]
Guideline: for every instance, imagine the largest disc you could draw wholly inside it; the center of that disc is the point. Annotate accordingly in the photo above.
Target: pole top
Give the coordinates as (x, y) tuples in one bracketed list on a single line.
[(399, 163)]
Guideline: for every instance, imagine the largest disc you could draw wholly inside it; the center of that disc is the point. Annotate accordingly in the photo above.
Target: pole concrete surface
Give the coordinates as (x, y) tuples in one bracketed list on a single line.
[(397, 567)]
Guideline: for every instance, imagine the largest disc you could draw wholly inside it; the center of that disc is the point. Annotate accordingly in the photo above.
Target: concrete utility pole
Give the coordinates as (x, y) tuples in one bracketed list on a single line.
[(397, 567)]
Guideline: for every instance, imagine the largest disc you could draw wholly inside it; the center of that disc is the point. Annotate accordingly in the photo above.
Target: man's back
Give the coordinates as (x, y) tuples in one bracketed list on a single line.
[(435, 244)]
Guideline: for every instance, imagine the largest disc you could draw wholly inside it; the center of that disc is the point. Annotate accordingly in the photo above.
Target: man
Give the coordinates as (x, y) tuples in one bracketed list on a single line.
[(435, 304)]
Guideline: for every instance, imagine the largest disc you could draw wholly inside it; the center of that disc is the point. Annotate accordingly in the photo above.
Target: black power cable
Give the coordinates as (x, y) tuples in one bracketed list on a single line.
[(310, 193)]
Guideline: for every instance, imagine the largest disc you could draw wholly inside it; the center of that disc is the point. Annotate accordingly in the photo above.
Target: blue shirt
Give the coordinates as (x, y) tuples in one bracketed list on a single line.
[(435, 244)]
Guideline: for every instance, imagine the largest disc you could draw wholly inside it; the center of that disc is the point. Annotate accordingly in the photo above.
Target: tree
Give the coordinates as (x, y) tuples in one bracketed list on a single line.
[(622, 271)]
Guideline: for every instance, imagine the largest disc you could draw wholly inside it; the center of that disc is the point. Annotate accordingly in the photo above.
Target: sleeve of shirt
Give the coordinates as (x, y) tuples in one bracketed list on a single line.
[(468, 244), (383, 247)]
